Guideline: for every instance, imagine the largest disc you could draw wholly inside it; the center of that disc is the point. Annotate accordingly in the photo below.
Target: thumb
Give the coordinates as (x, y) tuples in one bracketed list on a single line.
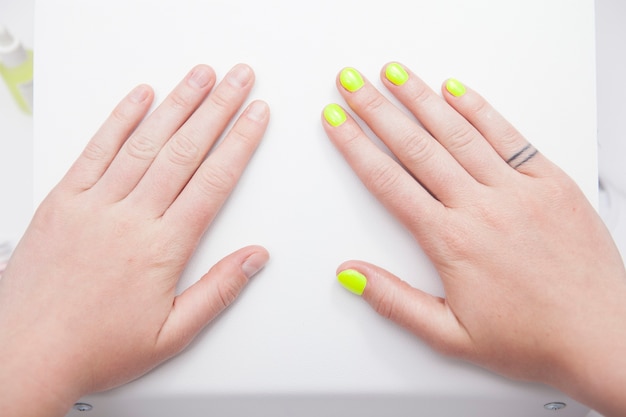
[(425, 315), (204, 300)]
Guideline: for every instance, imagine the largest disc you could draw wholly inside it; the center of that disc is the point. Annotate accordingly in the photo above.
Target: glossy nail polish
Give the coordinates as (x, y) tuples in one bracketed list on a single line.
[(455, 87), (396, 73), (334, 115), (350, 79), (353, 281)]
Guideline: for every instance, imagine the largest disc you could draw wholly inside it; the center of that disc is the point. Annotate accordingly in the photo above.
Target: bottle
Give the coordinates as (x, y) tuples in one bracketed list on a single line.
[(16, 67), (5, 254)]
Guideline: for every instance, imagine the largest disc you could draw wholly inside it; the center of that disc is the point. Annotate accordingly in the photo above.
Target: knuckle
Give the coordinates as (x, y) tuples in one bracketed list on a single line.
[(220, 102), (351, 137), (385, 179), (416, 148), (510, 137), (420, 94), (51, 213), (94, 151), (141, 147), (460, 136), (179, 101), (385, 304), (216, 181), (482, 109), (182, 149), (121, 115), (560, 191), (244, 136), (373, 103), (227, 291), (452, 243)]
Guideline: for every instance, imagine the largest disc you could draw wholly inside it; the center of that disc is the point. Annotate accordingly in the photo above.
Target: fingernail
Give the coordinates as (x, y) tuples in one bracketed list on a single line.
[(200, 77), (254, 263), (353, 281), (334, 115), (455, 87), (139, 94), (351, 79), (257, 111), (239, 76), (396, 73)]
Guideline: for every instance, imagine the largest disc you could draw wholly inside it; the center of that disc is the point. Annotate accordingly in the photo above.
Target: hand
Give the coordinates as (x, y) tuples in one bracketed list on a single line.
[(88, 300), (535, 289)]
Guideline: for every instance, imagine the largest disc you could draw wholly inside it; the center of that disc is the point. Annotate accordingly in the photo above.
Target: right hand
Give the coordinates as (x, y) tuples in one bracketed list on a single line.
[(535, 288)]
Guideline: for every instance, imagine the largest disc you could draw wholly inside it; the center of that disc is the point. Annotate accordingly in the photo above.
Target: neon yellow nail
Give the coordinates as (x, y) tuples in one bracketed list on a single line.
[(351, 79), (334, 115), (396, 74), (353, 281), (455, 87)]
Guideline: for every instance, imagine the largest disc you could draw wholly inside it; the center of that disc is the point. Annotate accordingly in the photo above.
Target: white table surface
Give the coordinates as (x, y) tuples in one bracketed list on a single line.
[(295, 333)]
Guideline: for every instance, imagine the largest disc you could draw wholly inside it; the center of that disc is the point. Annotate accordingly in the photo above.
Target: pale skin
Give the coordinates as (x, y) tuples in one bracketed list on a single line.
[(534, 284), (105, 250), (535, 288)]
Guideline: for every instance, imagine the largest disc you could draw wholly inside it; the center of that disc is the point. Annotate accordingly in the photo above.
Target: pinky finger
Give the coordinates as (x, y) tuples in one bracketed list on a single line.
[(503, 137), (105, 144)]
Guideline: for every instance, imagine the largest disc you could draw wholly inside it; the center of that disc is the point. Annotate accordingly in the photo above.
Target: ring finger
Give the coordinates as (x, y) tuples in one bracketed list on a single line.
[(451, 129), (418, 151), (184, 152), (143, 145)]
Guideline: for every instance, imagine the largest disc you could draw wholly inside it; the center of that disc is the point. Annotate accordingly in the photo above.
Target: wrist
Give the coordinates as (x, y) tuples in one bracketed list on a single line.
[(35, 381), (592, 367)]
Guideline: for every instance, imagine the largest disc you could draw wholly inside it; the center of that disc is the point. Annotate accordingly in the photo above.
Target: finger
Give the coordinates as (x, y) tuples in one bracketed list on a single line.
[(512, 147), (406, 199), (445, 124), (102, 148), (185, 151), (215, 179), (204, 300), (144, 144), (422, 155), (425, 315)]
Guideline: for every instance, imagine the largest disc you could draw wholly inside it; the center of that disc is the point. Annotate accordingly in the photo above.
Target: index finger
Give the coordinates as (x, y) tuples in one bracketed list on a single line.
[(393, 186), (214, 180)]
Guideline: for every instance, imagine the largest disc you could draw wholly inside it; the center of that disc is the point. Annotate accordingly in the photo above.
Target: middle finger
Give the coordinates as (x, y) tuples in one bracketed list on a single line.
[(461, 139), (138, 152), (418, 151), (185, 151)]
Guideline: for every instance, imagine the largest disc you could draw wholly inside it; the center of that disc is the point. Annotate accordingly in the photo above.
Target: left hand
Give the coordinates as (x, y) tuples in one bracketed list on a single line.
[(88, 300)]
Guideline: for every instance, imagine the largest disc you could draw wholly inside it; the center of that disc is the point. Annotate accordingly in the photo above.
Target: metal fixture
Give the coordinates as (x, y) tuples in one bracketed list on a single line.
[(555, 406), (83, 407)]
